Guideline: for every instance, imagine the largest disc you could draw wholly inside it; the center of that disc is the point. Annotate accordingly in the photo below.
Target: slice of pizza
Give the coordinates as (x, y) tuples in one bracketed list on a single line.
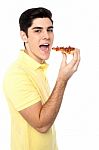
[(67, 50)]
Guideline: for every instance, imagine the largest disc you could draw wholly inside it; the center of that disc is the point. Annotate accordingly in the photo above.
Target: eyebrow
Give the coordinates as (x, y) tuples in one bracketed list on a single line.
[(50, 27)]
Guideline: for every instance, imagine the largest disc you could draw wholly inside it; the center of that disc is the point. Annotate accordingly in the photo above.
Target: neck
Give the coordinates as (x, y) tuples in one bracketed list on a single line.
[(28, 52)]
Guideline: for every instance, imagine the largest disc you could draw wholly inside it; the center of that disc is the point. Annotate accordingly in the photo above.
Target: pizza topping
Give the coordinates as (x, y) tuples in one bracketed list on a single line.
[(64, 49)]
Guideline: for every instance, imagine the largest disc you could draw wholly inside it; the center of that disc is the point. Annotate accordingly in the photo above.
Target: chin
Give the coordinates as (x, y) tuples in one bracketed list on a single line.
[(46, 57)]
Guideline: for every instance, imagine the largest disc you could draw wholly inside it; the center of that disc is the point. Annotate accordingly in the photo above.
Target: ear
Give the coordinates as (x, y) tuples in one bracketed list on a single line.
[(23, 36)]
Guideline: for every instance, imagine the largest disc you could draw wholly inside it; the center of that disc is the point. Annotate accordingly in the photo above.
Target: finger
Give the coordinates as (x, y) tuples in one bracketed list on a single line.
[(75, 59), (78, 61), (64, 59), (76, 54)]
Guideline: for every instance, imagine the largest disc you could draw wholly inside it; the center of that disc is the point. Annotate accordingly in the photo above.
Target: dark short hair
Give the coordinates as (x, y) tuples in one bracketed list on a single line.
[(27, 17)]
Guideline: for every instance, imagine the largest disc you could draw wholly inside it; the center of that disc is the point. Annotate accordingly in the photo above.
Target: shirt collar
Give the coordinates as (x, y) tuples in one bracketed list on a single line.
[(31, 62)]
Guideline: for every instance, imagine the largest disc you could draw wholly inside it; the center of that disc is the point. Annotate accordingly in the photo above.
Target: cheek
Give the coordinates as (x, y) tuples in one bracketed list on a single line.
[(33, 42), (52, 37)]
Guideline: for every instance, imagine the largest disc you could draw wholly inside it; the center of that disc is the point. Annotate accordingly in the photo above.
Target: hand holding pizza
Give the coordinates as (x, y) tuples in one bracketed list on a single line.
[(68, 69)]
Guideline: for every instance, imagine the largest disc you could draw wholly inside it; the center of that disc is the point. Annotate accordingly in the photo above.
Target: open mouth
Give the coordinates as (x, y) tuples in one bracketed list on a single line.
[(44, 47)]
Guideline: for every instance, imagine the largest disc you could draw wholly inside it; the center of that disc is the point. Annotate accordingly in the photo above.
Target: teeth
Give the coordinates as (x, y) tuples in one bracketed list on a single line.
[(46, 44)]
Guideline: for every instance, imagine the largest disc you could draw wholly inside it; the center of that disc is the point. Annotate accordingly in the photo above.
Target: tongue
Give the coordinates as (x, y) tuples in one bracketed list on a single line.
[(43, 48)]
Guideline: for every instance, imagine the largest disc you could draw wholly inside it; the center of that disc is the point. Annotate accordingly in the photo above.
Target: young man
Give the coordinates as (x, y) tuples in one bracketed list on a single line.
[(33, 109)]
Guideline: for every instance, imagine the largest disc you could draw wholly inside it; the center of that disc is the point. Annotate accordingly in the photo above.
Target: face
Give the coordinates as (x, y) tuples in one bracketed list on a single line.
[(40, 39)]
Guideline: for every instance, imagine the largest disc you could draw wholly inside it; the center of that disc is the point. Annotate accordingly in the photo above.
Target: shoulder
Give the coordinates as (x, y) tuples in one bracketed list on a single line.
[(15, 74)]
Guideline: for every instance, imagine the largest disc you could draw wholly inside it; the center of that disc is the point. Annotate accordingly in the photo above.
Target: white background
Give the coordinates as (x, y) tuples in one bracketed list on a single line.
[(76, 23)]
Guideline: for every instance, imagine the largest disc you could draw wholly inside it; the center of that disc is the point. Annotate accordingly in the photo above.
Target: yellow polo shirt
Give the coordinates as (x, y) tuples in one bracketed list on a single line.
[(25, 84)]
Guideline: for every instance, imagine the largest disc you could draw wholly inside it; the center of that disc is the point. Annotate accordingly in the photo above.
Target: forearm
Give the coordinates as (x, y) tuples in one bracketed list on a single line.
[(51, 108)]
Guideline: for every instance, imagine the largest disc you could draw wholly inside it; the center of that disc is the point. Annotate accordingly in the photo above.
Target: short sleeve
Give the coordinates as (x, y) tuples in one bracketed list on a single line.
[(21, 92)]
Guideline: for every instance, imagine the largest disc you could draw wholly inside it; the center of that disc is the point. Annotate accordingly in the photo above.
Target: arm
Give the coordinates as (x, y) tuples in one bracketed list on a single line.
[(41, 117)]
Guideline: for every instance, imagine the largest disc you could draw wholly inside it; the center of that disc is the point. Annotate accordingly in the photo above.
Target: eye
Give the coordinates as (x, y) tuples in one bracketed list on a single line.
[(37, 30), (50, 30)]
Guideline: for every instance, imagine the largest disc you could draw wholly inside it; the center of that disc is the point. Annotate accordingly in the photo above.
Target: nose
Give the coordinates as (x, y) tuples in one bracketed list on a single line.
[(45, 35)]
